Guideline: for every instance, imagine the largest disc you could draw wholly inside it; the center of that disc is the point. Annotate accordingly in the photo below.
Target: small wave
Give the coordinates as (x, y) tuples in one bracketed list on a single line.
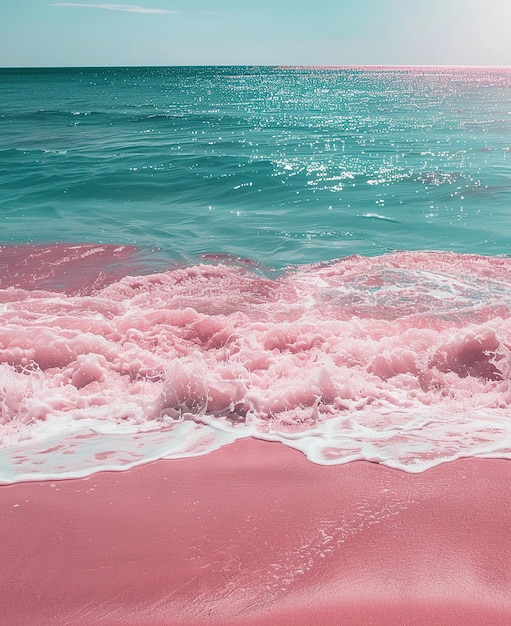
[(378, 216), (403, 359)]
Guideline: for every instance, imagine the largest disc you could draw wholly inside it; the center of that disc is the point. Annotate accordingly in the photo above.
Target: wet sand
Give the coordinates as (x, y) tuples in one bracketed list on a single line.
[(255, 534)]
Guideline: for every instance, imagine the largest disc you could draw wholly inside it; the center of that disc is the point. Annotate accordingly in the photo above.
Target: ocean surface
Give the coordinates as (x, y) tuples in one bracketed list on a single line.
[(311, 256)]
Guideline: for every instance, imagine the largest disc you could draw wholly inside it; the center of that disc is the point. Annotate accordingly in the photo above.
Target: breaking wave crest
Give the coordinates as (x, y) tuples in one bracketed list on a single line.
[(402, 359)]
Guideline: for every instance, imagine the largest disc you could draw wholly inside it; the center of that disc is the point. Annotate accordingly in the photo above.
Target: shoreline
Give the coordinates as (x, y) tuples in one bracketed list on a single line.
[(254, 533)]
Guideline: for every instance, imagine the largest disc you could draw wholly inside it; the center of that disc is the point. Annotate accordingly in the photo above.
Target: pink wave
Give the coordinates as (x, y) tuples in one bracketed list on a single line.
[(402, 359)]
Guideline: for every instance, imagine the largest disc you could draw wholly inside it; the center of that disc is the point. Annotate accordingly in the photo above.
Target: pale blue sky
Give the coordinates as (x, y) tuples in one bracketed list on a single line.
[(259, 32)]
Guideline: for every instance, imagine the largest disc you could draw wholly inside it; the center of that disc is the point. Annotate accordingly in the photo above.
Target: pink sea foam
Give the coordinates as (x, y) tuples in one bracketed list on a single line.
[(402, 359)]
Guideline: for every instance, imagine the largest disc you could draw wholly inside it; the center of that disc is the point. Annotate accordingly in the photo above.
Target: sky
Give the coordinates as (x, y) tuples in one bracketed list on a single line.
[(46, 33)]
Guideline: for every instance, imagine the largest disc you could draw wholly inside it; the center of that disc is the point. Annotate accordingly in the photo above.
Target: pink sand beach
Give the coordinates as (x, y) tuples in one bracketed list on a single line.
[(254, 533)]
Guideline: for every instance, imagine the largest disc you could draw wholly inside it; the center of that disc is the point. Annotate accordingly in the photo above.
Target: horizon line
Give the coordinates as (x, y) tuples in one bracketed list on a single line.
[(264, 65)]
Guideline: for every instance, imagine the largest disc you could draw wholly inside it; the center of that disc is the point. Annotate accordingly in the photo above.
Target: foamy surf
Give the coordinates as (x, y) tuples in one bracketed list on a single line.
[(402, 359)]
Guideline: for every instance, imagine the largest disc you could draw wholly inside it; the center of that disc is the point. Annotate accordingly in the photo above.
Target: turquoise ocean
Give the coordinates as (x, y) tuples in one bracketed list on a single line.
[(279, 165), (193, 255)]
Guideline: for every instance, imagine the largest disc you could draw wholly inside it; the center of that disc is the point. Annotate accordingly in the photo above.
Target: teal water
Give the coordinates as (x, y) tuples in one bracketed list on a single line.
[(280, 165)]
